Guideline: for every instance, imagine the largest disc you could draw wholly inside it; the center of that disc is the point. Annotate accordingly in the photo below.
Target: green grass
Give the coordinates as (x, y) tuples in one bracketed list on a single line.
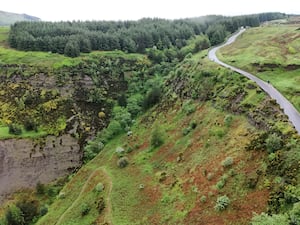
[(48, 59), (3, 34), (4, 134), (278, 45)]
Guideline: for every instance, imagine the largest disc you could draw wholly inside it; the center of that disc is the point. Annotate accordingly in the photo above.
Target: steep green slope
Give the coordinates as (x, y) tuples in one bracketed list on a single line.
[(8, 18), (213, 151)]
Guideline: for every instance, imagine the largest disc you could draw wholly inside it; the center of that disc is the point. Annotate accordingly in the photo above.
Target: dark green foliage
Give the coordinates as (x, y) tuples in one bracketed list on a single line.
[(273, 143), (152, 98), (122, 101), (71, 38), (188, 107), (84, 209), (121, 115), (14, 216), (29, 208), (43, 210), (222, 203), (201, 43), (72, 49), (156, 137), (216, 33), (191, 127), (123, 162), (93, 147), (228, 120), (30, 125), (40, 188), (134, 104), (14, 129), (114, 128)]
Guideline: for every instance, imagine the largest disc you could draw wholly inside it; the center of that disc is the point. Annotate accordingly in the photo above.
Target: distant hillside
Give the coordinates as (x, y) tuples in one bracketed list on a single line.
[(7, 18)]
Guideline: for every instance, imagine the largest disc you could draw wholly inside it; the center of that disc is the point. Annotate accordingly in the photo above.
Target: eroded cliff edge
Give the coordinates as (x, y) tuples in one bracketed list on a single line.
[(24, 162)]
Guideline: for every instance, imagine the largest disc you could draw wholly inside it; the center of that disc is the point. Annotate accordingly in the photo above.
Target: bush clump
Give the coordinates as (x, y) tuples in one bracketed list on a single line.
[(84, 209), (228, 120), (273, 143), (40, 188), (156, 137), (43, 210), (99, 187), (227, 162), (123, 162), (14, 216), (222, 203), (152, 98), (14, 129)]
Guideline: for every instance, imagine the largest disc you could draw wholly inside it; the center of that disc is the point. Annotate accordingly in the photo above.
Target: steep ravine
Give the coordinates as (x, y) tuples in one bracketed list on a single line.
[(24, 162)]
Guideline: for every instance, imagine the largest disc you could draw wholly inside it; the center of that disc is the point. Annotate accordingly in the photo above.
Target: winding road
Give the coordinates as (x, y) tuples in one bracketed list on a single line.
[(287, 107)]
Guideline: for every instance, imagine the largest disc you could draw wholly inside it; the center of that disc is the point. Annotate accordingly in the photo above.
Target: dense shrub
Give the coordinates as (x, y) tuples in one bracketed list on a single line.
[(227, 162), (188, 107), (84, 209), (203, 199), (14, 129), (273, 143), (99, 187), (14, 216), (43, 210), (123, 162), (222, 203), (152, 97), (40, 188), (121, 115), (29, 209), (134, 104), (114, 128), (30, 125), (156, 138), (228, 120)]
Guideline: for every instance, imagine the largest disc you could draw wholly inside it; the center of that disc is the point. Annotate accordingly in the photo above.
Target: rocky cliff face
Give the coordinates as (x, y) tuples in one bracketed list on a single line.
[(25, 162)]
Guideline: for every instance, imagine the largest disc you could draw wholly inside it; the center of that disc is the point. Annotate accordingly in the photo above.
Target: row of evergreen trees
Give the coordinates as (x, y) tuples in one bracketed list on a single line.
[(71, 38)]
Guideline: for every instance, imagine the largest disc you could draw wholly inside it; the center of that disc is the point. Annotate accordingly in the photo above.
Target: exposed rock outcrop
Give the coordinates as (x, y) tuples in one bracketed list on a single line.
[(24, 162)]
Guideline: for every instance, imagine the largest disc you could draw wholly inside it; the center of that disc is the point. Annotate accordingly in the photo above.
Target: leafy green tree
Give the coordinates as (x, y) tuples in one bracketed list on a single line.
[(121, 115), (152, 98), (216, 33), (85, 44), (134, 104), (72, 49), (14, 216), (29, 209)]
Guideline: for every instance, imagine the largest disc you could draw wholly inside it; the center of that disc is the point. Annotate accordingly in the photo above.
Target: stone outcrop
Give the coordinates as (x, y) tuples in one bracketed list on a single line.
[(25, 162)]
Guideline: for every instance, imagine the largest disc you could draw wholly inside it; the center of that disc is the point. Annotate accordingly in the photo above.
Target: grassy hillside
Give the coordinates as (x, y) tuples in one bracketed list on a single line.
[(209, 148), (7, 18), (212, 144), (272, 53)]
